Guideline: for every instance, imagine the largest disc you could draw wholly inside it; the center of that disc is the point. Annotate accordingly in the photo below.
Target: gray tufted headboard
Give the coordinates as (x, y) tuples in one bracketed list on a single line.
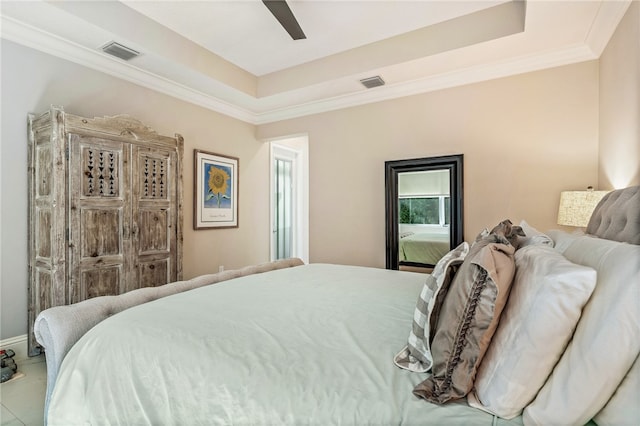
[(617, 216)]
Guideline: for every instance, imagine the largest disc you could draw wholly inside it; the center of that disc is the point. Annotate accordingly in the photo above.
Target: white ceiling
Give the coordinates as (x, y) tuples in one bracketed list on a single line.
[(235, 58), (245, 33)]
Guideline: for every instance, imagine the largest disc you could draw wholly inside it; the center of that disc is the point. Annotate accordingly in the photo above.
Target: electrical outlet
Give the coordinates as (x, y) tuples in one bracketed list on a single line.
[(220, 268)]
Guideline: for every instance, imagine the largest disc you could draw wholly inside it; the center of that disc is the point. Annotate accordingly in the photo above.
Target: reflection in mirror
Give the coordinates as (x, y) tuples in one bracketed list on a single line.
[(423, 216), (424, 210)]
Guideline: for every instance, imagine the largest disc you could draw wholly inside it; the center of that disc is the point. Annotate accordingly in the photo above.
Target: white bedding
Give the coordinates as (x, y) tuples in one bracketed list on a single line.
[(312, 344)]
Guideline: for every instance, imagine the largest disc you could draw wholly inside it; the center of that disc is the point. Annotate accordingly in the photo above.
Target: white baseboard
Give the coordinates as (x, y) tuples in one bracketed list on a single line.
[(18, 344)]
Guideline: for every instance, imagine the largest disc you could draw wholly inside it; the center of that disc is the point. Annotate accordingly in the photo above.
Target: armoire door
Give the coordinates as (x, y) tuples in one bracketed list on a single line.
[(99, 224), (154, 216)]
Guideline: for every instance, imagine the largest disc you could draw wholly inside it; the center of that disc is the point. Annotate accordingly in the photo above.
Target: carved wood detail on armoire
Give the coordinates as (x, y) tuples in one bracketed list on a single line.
[(105, 209)]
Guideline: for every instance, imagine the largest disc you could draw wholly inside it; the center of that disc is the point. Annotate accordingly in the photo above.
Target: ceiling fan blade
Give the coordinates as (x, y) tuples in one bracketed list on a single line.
[(280, 9)]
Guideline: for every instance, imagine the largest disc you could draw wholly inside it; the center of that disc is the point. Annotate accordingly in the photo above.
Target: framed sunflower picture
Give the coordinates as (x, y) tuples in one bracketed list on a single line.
[(215, 191)]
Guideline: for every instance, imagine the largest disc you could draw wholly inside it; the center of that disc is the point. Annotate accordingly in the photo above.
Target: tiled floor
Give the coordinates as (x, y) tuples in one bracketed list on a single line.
[(23, 398)]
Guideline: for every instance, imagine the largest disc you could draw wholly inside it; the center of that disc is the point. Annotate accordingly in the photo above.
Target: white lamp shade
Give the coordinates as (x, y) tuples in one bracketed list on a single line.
[(576, 207)]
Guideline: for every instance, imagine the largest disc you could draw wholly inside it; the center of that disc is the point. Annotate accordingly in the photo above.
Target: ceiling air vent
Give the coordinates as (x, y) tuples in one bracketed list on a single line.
[(119, 51), (372, 82)]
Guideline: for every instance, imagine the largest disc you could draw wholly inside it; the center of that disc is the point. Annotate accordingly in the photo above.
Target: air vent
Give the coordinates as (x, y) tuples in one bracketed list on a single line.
[(372, 82), (119, 51)]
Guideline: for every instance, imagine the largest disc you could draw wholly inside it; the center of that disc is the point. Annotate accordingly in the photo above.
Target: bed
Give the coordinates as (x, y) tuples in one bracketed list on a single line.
[(423, 248), (289, 343)]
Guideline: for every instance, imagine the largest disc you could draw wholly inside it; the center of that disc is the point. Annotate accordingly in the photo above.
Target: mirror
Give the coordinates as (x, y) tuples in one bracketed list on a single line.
[(423, 210)]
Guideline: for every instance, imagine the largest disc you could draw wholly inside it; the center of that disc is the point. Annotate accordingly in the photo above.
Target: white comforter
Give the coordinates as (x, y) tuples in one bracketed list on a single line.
[(307, 345)]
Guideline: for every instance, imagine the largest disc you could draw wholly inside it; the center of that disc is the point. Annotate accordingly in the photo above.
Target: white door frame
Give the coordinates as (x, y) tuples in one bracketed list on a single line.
[(296, 150)]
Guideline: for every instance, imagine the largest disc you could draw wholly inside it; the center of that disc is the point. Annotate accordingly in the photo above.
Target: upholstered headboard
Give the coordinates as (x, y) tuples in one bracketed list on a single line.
[(617, 216)]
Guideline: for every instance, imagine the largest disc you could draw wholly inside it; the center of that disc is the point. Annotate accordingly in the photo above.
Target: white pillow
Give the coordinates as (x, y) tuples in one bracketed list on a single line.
[(623, 408), (562, 239), (546, 300), (533, 236), (605, 344)]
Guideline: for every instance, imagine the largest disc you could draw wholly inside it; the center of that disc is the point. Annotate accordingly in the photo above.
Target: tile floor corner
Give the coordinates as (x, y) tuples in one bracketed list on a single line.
[(22, 399)]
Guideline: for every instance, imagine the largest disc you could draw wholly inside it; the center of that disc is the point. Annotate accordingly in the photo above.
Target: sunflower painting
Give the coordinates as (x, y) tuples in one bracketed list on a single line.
[(218, 189), (216, 192)]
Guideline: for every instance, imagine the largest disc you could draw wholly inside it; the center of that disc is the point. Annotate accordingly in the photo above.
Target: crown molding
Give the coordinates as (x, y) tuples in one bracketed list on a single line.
[(475, 74), (607, 19), (604, 25), (37, 39)]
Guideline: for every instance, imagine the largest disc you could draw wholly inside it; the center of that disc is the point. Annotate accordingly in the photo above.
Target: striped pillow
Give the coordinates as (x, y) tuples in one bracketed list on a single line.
[(416, 356)]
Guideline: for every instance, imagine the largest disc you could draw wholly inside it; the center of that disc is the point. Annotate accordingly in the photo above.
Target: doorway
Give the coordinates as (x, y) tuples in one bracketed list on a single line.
[(289, 198)]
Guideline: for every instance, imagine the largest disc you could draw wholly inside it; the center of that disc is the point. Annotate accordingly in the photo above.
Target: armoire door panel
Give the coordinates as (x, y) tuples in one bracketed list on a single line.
[(43, 170), (48, 294), (43, 284), (43, 234), (152, 173), (101, 232), (101, 167), (100, 281), (153, 273), (153, 231)]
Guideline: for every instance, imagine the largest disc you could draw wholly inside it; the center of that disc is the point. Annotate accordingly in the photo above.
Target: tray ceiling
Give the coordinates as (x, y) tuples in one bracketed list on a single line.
[(235, 58)]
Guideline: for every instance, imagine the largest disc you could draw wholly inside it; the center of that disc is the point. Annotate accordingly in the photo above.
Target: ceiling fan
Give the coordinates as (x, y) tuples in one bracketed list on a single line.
[(280, 9)]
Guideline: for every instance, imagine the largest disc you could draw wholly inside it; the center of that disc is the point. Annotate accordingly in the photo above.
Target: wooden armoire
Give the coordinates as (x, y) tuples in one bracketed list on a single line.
[(105, 209)]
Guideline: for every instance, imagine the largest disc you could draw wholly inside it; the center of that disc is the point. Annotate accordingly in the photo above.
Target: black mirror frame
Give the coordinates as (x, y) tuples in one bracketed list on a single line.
[(452, 163)]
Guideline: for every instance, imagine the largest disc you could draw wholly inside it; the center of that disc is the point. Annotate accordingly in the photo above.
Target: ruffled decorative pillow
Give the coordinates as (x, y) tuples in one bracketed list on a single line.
[(468, 319)]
